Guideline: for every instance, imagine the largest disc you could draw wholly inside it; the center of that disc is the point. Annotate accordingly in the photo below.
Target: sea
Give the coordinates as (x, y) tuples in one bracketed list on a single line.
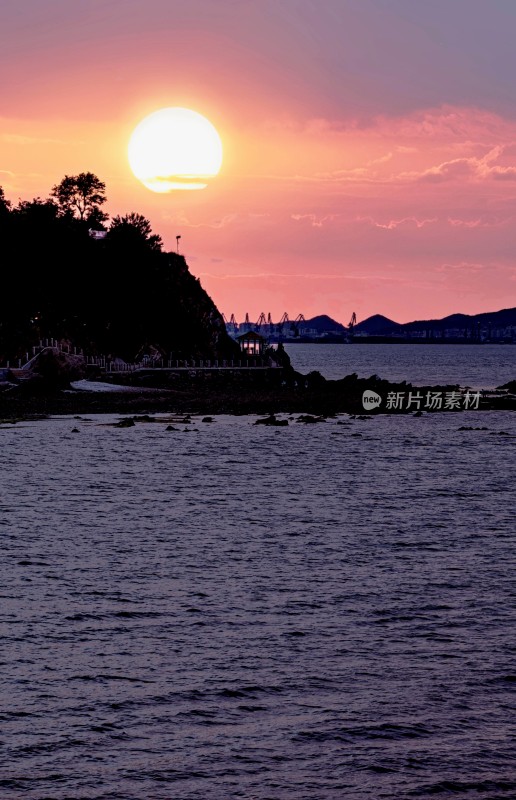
[(229, 610), (485, 366)]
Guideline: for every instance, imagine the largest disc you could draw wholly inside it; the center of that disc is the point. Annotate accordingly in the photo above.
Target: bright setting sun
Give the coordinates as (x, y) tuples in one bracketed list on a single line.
[(175, 148)]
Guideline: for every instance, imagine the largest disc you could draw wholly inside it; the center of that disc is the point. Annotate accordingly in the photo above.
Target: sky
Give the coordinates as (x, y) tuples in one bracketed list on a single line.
[(369, 145)]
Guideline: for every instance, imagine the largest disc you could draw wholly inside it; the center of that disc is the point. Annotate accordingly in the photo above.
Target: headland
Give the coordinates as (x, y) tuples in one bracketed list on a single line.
[(54, 386)]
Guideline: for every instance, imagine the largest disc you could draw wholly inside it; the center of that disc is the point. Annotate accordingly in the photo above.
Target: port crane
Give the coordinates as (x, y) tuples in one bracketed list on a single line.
[(294, 326), (283, 321)]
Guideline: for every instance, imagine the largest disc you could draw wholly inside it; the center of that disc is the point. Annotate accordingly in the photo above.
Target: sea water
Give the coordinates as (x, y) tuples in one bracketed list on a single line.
[(312, 612), (483, 366)]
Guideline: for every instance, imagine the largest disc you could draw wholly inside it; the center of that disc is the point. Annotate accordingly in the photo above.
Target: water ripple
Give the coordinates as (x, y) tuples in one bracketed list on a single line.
[(304, 614)]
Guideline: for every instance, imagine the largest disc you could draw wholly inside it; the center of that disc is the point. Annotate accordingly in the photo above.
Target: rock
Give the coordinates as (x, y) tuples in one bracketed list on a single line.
[(54, 368), (510, 386), (272, 420), (125, 423), (207, 419), (470, 428)]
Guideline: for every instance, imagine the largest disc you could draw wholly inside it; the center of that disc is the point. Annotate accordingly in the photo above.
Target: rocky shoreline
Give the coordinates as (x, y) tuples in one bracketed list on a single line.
[(277, 392)]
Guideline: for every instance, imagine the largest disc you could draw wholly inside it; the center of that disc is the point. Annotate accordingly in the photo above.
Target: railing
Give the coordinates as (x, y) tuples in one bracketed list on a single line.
[(187, 364), (44, 344), (118, 366)]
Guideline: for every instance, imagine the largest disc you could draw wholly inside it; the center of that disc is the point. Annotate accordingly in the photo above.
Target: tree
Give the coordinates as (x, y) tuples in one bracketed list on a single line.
[(135, 229), (37, 212), (5, 205), (81, 195)]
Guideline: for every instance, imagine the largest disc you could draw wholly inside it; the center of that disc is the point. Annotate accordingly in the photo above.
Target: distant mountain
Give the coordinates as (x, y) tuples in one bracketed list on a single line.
[(379, 325), (496, 319), (322, 324)]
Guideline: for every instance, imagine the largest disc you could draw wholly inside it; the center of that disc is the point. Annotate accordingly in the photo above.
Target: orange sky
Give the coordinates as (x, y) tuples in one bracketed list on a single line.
[(369, 147)]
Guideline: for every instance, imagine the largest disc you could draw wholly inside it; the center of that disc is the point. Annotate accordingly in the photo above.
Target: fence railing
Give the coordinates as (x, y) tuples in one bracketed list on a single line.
[(119, 366), (29, 356), (184, 364)]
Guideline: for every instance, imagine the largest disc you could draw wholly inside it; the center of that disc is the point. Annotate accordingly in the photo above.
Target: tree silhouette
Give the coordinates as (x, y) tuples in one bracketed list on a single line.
[(5, 205), (111, 295), (134, 229), (81, 196), (37, 212)]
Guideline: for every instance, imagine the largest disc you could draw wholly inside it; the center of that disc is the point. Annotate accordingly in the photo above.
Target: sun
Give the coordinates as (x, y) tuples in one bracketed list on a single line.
[(175, 148)]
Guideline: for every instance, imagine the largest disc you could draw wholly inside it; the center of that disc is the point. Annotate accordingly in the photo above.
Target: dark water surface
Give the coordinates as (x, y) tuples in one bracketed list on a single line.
[(484, 366), (312, 612)]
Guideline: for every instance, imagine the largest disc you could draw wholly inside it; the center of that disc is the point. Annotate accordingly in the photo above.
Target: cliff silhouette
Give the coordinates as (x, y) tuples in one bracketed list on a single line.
[(111, 289)]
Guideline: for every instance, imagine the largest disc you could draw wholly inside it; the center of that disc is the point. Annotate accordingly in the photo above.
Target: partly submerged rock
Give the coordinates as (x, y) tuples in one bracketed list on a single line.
[(272, 420), (125, 423), (472, 428), (310, 418)]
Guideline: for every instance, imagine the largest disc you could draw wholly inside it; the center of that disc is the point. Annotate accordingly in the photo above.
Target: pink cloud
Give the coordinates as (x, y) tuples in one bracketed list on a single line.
[(182, 220), (396, 223), (503, 173), (463, 267), (479, 222), (315, 221), (470, 168), (449, 124)]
